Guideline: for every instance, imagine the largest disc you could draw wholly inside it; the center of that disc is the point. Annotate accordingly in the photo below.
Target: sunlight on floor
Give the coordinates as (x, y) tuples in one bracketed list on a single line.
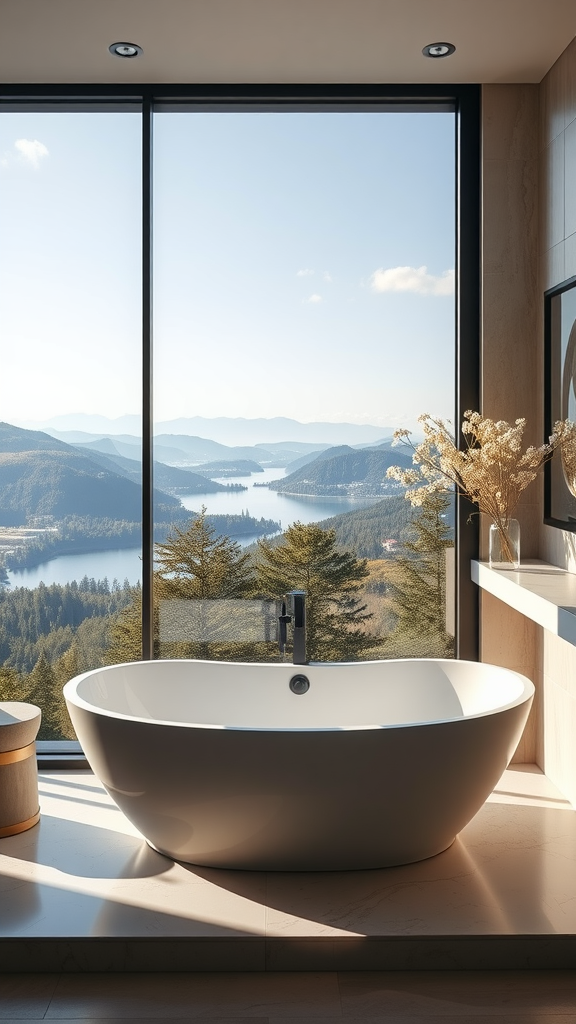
[(84, 871)]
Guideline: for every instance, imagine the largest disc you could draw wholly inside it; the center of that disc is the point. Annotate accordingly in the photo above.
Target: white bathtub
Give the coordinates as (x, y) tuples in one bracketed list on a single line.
[(221, 764)]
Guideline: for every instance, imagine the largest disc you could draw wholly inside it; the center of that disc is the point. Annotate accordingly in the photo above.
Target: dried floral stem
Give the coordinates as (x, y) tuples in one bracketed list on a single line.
[(566, 432), (505, 543), (492, 470)]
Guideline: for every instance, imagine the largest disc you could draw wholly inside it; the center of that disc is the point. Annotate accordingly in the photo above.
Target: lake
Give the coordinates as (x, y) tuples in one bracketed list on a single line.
[(125, 563)]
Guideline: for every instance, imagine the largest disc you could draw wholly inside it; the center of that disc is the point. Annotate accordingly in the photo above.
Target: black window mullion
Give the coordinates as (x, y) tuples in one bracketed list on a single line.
[(147, 407), (468, 322)]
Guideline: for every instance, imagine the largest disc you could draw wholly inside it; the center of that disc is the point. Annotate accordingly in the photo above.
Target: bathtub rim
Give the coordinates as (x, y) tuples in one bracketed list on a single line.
[(70, 691)]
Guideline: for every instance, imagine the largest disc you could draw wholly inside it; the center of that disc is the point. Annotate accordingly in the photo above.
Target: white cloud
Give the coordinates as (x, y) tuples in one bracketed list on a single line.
[(31, 150), (315, 298), (304, 273), (327, 277), (412, 279)]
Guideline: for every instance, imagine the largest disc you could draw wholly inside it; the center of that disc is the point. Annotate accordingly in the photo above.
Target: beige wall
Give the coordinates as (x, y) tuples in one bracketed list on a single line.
[(509, 379), (529, 245)]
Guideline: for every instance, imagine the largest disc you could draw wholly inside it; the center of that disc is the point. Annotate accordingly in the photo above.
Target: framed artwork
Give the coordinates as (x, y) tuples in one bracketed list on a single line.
[(559, 396)]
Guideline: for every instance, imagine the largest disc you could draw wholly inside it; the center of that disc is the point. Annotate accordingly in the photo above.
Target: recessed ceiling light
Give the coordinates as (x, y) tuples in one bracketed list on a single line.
[(125, 49), (438, 50)]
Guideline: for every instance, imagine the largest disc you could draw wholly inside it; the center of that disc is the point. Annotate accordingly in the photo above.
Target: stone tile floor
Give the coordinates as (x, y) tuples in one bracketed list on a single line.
[(83, 892), (85, 871)]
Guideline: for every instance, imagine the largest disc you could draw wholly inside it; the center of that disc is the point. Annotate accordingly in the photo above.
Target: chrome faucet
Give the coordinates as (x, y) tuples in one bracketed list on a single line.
[(294, 611)]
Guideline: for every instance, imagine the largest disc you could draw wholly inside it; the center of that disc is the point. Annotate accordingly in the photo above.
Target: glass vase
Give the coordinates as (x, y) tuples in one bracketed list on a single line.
[(504, 551)]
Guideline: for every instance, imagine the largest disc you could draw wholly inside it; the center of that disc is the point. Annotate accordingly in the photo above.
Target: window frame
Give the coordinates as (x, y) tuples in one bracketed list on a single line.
[(465, 102)]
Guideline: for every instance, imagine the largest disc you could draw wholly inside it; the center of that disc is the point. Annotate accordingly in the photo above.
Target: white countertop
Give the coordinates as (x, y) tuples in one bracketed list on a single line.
[(544, 593)]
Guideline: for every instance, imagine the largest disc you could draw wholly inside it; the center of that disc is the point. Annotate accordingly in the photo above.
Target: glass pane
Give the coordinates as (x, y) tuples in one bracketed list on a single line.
[(304, 310), (70, 394)]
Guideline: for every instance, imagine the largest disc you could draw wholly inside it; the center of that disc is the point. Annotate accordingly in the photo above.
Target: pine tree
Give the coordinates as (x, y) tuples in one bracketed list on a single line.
[(196, 563), (417, 584), (67, 666), (13, 686), (125, 635), (308, 559), (193, 565), (212, 571), (45, 693)]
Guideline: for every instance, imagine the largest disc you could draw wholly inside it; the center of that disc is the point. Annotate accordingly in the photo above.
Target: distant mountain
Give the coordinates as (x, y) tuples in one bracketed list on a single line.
[(229, 467), (42, 476), (85, 437), (194, 451), (15, 439), (167, 478), (299, 447), (239, 430), (92, 423), (346, 471), (203, 449), (199, 450), (226, 430), (132, 449), (324, 453)]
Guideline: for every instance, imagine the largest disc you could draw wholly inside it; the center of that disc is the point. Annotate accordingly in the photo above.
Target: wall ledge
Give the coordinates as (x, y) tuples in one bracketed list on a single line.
[(542, 592)]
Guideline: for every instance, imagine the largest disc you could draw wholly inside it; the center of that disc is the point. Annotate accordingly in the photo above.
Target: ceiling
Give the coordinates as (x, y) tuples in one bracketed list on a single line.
[(282, 41)]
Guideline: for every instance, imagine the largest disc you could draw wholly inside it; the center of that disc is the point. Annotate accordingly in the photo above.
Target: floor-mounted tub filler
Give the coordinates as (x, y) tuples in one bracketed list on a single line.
[(314, 767)]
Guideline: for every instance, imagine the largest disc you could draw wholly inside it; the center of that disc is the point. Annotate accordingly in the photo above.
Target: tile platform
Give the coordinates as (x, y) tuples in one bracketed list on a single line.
[(82, 892)]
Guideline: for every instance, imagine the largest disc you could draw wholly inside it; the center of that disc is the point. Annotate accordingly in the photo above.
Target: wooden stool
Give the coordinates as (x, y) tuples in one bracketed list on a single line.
[(19, 724)]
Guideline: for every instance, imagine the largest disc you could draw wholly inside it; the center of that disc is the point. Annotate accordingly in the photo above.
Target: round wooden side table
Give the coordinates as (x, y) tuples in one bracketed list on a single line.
[(19, 810)]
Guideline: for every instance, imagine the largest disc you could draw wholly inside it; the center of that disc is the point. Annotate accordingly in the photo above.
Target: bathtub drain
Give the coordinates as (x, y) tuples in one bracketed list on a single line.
[(299, 684)]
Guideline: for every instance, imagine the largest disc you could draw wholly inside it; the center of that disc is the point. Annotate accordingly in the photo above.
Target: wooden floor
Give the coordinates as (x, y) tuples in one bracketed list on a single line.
[(396, 997)]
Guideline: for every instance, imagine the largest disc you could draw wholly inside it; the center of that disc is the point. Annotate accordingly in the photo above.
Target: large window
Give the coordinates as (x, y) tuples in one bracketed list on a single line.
[(234, 303), (70, 397), (304, 267)]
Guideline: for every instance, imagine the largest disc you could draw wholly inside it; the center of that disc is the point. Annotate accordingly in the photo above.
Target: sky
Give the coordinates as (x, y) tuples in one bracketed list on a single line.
[(303, 265)]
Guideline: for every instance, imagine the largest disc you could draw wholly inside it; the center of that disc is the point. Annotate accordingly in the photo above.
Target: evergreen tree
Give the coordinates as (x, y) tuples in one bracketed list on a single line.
[(199, 565), (308, 559), (193, 565), (13, 686), (43, 691), (125, 635), (417, 583), (196, 563), (67, 666)]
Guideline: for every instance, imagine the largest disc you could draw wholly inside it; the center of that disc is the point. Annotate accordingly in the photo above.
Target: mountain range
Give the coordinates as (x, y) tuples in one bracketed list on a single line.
[(225, 429), (167, 478), (45, 476), (42, 476)]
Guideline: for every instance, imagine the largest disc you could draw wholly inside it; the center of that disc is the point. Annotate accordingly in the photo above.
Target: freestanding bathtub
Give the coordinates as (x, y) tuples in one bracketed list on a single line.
[(375, 764)]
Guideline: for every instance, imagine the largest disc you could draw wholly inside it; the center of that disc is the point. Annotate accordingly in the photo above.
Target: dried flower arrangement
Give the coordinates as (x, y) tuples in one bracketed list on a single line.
[(492, 471), (565, 431)]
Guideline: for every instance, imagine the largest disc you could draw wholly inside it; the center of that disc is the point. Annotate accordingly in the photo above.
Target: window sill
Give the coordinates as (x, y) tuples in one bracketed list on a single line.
[(542, 592), (60, 755)]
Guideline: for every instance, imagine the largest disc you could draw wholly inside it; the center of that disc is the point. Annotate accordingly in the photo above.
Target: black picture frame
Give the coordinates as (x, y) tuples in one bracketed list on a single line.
[(559, 396)]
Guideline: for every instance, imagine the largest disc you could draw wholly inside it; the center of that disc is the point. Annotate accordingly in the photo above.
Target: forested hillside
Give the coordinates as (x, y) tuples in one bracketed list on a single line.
[(325, 453), (346, 471), (41, 476), (169, 479), (50, 619), (364, 531), (229, 467)]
